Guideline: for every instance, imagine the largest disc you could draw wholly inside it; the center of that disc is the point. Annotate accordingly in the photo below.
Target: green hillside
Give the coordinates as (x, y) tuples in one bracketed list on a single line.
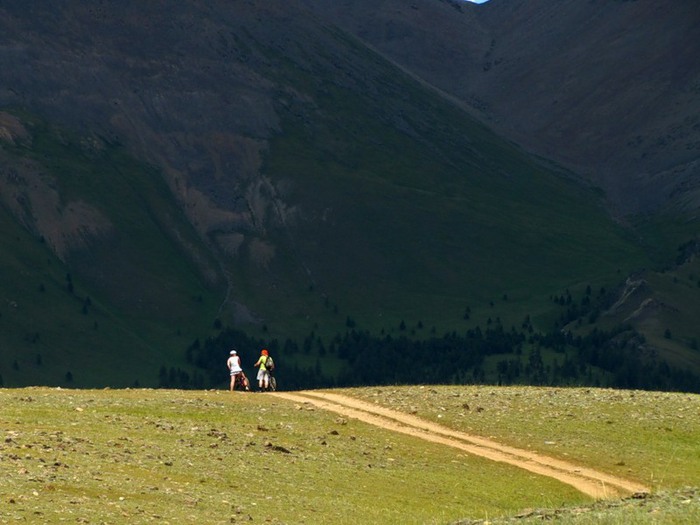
[(405, 232), (121, 302), (378, 208), (400, 207)]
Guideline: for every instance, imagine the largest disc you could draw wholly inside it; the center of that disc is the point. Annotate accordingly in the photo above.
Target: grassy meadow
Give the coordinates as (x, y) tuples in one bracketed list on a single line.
[(167, 456)]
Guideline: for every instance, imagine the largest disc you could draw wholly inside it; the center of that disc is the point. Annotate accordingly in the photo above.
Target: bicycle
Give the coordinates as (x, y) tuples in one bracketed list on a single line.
[(271, 383), (242, 381)]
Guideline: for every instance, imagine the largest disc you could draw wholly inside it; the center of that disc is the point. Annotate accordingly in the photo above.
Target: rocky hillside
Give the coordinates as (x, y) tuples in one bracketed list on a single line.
[(610, 89)]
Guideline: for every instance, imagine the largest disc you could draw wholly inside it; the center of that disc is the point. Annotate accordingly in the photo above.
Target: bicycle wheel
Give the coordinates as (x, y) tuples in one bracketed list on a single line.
[(273, 383)]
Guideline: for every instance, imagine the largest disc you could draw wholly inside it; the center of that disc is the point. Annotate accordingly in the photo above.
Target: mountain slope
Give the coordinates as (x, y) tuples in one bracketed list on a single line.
[(219, 93), (609, 89), (101, 272), (438, 207), (206, 164)]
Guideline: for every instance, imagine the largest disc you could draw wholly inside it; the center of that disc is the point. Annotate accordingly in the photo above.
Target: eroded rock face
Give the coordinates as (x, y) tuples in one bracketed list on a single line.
[(12, 130), (32, 196), (177, 86)]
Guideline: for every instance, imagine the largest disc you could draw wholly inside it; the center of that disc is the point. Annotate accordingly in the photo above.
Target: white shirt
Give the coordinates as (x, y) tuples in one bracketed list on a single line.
[(234, 363)]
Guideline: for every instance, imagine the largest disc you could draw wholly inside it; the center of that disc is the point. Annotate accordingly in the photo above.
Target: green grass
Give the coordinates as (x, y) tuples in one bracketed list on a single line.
[(214, 457), (650, 437)]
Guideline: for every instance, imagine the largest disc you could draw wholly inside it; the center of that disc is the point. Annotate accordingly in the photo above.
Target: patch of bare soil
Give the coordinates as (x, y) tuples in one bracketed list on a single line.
[(590, 482)]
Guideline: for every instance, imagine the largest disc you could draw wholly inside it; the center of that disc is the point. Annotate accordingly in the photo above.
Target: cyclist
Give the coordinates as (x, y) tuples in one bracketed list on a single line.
[(234, 366), (265, 364)]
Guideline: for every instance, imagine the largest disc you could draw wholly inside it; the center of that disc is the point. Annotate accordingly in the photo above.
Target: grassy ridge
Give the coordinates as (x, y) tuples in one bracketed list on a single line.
[(215, 457)]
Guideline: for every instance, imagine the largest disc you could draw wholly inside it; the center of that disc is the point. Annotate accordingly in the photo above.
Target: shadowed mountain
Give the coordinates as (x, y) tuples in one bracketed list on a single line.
[(278, 166), (609, 89)]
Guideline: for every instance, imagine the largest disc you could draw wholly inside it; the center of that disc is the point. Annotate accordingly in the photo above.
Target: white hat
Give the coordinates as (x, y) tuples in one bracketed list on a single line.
[(233, 352)]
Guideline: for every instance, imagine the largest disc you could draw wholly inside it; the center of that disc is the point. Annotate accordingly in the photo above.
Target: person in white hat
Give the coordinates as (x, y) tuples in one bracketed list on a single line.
[(234, 365)]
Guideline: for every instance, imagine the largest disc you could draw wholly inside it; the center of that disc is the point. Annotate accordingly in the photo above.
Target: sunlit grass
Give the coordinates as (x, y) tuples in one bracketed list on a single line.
[(213, 457), (649, 437)]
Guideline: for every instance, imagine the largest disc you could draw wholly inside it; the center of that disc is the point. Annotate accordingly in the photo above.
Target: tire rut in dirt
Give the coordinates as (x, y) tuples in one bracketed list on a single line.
[(598, 485)]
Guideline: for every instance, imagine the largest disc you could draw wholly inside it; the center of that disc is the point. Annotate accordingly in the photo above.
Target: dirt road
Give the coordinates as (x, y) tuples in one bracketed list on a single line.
[(593, 483)]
